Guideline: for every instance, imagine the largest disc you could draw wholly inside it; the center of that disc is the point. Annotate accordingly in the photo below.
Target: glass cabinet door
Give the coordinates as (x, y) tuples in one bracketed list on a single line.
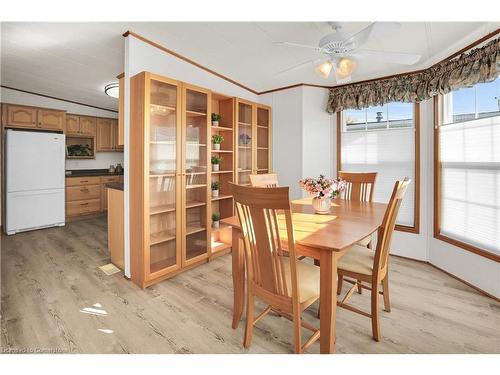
[(163, 169), (263, 140), (196, 178), (245, 142)]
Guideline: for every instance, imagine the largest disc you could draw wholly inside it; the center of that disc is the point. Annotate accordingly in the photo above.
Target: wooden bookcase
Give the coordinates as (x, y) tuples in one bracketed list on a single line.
[(221, 238), (171, 201), (253, 139)]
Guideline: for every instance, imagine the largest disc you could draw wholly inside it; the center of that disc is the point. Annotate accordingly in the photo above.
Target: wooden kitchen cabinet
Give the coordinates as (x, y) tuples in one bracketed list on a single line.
[(80, 125), (105, 134), (116, 137), (83, 196), (104, 190), (72, 125), (19, 116), (49, 119), (88, 126), (88, 195)]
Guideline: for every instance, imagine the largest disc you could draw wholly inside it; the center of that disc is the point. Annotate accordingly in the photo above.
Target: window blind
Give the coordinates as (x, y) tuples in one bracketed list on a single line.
[(470, 182), (390, 153)]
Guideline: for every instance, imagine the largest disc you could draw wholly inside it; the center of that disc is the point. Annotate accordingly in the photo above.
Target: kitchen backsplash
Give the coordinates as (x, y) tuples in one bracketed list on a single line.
[(102, 160)]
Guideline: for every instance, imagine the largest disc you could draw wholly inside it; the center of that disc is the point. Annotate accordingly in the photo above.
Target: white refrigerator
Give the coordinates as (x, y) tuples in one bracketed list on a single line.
[(35, 177)]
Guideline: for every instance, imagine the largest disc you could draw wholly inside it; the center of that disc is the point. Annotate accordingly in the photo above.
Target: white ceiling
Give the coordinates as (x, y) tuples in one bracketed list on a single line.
[(76, 60)]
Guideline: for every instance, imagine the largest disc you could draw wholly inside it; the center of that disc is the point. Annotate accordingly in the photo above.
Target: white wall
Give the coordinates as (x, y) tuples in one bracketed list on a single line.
[(303, 135), (103, 159), (287, 137), (317, 133), (144, 57)]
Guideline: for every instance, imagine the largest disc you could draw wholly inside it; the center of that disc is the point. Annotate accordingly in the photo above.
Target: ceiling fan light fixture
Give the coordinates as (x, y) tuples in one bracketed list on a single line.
[(324, 68), (345, 67)]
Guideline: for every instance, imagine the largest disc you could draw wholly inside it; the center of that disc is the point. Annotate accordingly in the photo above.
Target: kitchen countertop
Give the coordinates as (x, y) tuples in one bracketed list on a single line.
[(90, 172), (115, 185)]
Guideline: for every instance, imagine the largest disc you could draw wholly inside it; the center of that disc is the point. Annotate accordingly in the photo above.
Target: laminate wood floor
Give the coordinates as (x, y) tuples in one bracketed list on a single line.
[(55, 299)]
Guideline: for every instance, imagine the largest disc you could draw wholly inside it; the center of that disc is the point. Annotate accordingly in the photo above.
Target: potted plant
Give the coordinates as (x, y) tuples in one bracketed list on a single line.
[(216, 220), (215, 188), (322, 190), (216, 160), (215, 119), (217, 139)]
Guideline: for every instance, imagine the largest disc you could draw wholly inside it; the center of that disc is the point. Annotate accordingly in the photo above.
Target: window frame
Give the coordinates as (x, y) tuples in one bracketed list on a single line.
[(415, 229), (438, 111)]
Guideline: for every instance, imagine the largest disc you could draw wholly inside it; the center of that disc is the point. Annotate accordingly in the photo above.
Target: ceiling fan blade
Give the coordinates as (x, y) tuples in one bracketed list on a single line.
[(390, 57), (291, 44), (372, 31), (296, 66)]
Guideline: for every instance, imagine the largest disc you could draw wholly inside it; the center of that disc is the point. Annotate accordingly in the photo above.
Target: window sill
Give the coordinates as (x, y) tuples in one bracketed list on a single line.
[(465, 246), (404, 228)]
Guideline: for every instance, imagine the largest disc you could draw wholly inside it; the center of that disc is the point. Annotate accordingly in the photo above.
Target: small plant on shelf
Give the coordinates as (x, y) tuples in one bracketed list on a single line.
[(216, 160), (215, 188), (216, 219), (215, 119), (217, 139)]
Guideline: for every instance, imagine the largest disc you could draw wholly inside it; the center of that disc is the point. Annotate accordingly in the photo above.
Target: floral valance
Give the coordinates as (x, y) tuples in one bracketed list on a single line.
[(477, 66)]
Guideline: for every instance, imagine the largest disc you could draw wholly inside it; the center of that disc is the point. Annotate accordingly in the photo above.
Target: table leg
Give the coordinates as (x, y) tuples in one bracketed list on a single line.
[(238, 270), (328, 299)]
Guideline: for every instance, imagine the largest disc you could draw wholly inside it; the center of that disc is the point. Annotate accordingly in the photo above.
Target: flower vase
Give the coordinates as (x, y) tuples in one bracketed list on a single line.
[(216, 224), (215, 167), (215, 123), (321, 205), (216, 146), (215, 193)]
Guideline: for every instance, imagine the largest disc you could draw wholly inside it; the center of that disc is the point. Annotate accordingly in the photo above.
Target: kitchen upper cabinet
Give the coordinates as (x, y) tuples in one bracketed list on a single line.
[(81, 125), (72, 125), (105, 134), (116, 136), (20, 116), (50, 119), (88, 126)]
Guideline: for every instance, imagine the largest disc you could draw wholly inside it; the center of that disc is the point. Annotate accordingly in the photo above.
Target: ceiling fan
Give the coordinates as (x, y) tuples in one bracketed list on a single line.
[(343, 51)]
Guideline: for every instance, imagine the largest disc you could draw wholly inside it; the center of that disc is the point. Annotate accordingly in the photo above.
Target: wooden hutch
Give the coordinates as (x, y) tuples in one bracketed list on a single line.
[(171, 202)]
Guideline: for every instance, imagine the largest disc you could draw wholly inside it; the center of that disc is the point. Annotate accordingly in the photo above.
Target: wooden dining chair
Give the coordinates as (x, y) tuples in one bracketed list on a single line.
[(361, 263), (359, 187), (267, 180), (264, 180), (286, 285)]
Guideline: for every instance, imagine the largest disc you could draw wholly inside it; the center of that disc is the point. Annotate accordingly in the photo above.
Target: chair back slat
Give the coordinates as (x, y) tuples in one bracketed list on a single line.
[(387, 228), (264, 180), (359, 185), (261, 212)]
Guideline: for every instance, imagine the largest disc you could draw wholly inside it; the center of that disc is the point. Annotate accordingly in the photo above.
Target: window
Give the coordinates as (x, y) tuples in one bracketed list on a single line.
[(388, 116), (384, 139), (468, 167)]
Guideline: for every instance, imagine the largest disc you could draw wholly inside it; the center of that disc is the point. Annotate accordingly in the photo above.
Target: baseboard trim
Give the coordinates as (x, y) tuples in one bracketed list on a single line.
[(451, 275)]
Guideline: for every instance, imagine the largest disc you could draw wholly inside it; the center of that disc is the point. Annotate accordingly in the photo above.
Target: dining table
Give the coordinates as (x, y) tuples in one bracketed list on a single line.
[(323, 237)]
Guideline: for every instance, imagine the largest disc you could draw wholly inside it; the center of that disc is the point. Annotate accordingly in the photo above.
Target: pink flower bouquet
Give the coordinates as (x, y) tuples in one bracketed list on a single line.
[(323, 187)]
